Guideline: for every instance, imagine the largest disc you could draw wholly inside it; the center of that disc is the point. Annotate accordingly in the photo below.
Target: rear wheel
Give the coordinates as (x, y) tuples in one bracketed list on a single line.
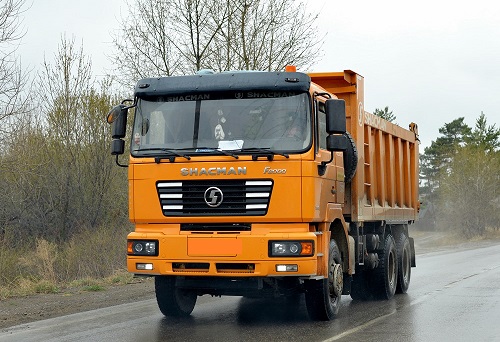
[(323, 296), (404, 263), (384, 277), (173, 301)]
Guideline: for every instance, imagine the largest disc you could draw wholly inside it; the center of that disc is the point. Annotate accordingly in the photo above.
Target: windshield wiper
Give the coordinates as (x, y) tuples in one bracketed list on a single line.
[(168, 153), (211, 149), (262, 152), (172, 153)]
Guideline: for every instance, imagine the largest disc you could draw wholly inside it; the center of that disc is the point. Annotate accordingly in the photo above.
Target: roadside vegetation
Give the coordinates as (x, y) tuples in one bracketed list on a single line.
[(460, 180)]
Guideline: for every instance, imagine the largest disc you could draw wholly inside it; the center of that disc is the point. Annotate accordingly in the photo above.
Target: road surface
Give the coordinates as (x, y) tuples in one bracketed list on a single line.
[(454, 296)]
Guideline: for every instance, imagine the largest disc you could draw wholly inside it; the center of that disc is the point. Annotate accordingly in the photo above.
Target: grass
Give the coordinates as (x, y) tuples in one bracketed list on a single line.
[(121, 277), (44, 286), (89, 261), (24, 286), (94, 288)]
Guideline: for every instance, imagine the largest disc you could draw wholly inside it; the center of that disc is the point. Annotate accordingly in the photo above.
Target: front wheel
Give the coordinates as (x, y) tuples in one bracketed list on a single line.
[(173, 301), (323, 296)]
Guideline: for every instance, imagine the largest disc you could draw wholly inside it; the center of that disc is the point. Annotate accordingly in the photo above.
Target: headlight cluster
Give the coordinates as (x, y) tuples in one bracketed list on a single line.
[(141, 247), (291, 248)]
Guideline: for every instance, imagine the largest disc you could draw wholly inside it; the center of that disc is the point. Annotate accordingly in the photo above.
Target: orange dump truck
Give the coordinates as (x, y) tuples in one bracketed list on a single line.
[(267, 184)]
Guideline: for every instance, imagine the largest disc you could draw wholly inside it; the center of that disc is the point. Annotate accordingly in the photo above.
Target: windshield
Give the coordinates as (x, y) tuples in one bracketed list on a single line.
[(202, 124)]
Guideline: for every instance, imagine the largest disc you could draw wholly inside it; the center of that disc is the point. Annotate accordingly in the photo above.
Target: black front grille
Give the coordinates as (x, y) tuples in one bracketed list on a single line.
[(215, 227), (214, 198)]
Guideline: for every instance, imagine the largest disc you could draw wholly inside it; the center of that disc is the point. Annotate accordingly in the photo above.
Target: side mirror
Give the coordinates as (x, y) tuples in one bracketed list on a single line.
[(342, 143), (336, 129), (337, 142), (335, 116), (117, 117), (117, 147)]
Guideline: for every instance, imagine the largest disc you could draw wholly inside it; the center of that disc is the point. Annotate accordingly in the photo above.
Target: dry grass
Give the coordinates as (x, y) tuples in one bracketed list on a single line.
[(90, 261), (24, 286)]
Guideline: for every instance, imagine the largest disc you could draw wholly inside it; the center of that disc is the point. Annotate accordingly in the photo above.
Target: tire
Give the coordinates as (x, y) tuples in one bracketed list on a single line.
[(350, 159), (173, 301), (384, 277), (323, 296), (404, 263)]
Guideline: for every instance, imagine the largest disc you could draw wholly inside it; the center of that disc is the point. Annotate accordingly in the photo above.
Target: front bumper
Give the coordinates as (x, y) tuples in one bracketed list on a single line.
[(222, 255)]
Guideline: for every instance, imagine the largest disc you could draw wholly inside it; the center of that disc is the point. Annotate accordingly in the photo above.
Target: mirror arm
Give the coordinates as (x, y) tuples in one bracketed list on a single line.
[(322, 166), (327, 95), (118, 163), (134, 103)]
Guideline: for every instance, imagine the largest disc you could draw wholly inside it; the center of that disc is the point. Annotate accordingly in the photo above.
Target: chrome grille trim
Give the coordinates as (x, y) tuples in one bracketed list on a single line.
[(241, 197)]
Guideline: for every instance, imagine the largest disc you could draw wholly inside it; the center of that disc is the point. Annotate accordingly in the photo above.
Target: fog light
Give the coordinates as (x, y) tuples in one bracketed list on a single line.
[(287, 268), (147, 267)]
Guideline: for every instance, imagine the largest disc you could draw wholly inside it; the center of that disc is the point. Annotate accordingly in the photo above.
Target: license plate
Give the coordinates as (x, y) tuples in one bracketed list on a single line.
[(214, 246)]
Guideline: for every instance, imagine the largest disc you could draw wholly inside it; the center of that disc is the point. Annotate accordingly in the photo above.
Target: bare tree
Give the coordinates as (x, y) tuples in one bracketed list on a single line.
[(172, 37), (76, 185), (166, 37), (268, 35), (12, 78), (196, 25), (143, 48)]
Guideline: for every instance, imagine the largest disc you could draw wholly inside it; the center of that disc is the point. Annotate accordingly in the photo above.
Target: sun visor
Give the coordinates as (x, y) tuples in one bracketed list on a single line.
[(296, 82)]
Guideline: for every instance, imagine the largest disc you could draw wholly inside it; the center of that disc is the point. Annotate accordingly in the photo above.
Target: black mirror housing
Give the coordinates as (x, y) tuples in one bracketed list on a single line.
[(117, 117), (337, 142), (335, 116), (117, 147)]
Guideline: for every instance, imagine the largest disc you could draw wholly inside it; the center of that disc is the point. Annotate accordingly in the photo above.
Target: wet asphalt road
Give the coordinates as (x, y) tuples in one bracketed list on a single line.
[(454, 296)]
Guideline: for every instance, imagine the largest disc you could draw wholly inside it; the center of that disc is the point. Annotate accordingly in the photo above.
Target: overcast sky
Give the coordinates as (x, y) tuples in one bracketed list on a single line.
[(429, 61)]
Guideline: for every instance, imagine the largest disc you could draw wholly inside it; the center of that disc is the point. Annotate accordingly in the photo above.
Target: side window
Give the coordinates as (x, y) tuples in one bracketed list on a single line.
[(322, 125)]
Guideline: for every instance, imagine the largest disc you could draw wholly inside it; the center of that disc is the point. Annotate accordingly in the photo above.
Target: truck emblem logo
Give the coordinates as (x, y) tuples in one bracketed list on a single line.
[(213, 197)]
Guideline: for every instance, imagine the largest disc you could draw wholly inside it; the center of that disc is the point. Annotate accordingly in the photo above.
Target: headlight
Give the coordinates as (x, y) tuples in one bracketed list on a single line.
[(140, 247), (291, 248)]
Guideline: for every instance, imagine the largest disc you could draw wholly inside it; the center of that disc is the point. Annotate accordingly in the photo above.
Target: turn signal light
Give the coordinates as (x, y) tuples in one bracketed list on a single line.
[(307, 248)]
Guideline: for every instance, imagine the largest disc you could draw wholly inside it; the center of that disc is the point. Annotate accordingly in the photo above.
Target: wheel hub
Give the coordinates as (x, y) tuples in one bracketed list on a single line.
[(336, 280)]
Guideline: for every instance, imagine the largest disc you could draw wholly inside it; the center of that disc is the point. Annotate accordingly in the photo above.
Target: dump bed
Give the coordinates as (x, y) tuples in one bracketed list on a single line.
[(385, 186)]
